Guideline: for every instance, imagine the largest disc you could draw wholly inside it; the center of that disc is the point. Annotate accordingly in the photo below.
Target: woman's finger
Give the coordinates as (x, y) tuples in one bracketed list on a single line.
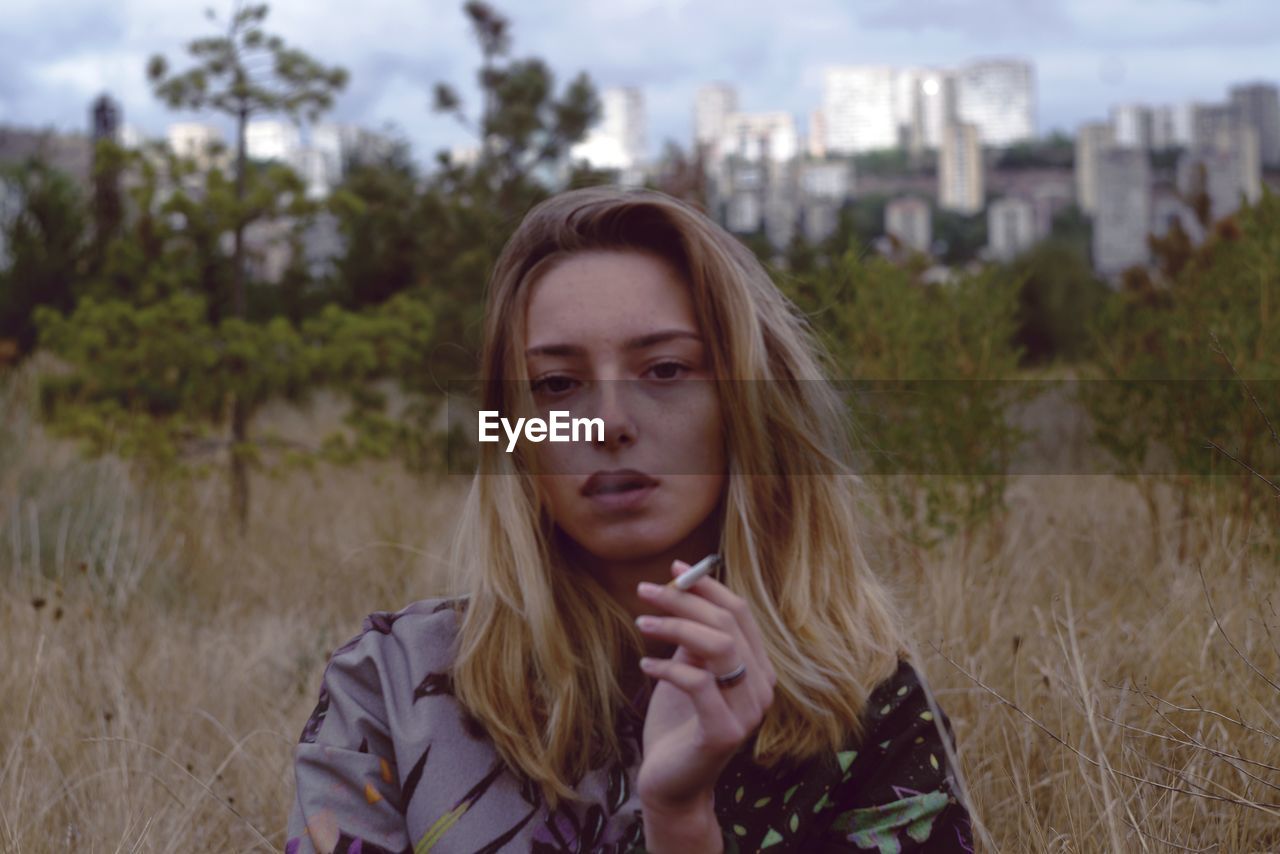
[(693, 607), (699, 639), (715, 592), (718, 720)]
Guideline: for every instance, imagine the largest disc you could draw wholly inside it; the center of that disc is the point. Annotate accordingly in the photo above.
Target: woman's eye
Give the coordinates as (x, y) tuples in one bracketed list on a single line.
[(668, 370), (554, 384)]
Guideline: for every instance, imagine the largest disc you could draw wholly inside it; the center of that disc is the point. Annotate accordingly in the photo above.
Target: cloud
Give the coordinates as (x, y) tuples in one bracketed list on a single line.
[(976, 20)]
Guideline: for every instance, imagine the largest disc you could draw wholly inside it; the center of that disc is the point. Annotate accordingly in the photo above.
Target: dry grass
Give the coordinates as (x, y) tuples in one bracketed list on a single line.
[(152, 701)]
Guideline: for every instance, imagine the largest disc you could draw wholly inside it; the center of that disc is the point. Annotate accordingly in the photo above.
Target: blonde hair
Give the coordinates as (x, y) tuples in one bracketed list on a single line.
[(540, 649)]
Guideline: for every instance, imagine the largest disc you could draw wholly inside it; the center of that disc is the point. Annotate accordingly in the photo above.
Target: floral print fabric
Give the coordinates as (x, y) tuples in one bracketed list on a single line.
[(389, 762)]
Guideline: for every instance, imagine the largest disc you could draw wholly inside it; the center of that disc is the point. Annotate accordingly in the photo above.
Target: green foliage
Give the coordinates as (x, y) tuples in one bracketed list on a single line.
[(45, 241), (1059, 303), (962, 236), (380, 220), (885, 162), (153, 383), (1056, 152), (1216, 318), (229, 77), (922, 353), (523, 131)]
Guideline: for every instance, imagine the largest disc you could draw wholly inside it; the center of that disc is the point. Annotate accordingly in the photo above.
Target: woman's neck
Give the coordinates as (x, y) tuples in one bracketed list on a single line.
[(621, 577)]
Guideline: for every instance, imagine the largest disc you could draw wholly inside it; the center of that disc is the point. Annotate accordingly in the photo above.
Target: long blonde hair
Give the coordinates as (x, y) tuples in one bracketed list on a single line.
[(541, 649)]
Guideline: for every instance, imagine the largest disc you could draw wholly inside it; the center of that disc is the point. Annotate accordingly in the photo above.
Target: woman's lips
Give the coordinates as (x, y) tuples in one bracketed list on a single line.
[(627, 499)]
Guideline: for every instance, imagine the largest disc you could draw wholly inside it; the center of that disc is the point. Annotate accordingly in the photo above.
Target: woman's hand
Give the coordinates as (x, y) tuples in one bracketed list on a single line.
[(694, 726)]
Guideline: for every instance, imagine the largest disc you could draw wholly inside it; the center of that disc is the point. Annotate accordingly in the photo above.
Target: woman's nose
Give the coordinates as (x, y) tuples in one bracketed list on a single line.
[(613, 406)]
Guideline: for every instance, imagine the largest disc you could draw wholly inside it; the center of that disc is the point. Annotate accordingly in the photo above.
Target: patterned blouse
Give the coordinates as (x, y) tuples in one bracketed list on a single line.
[(389, 762)]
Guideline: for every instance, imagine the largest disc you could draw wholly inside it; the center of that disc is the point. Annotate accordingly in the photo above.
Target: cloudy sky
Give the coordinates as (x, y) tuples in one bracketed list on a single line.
[(55, 55)]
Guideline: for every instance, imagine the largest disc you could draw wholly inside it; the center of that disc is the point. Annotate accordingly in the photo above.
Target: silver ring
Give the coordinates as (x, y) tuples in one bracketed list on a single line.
[(730, 679)]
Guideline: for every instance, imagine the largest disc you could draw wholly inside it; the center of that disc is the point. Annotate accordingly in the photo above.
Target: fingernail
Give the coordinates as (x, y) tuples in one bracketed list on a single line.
[(647, 663), (646, 622), (649, 589)]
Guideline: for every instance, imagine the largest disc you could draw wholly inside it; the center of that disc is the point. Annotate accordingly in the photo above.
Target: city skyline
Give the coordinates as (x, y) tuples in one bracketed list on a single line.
[(1088, 55)]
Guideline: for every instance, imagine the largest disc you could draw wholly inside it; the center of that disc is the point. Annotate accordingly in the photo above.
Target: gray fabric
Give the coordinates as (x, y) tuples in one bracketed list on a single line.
[(385, 696)]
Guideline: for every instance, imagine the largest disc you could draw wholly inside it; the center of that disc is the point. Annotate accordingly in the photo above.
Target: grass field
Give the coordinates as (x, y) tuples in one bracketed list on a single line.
[(156, 672)]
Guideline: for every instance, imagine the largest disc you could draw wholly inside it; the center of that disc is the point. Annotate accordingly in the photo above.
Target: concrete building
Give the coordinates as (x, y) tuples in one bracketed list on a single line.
[(1162, 127), (1011, 227), (272, 139), (822, 187), (760, 136), (753, 175), (1048, 199), (1230, 171), (1134, 126), (344, 145), (908, 220), (858, 104), (1123, 212), (960, 172), (1091, 140), (618, 141), (713, 104), (1211, 124), (816, 142), (1258, 106), (198, 142), (998, 98)]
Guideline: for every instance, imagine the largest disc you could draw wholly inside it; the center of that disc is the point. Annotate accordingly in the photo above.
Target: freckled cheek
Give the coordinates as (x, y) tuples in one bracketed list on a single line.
[(692, 439)]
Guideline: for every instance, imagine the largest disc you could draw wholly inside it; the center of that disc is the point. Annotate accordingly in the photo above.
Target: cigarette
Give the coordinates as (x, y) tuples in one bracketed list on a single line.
[(690, 577)]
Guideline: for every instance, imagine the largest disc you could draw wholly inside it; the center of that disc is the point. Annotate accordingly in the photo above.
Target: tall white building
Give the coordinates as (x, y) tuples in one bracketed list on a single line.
[(1123, 213), (878, 106), (1258, 106), (1229, 171), (1133, 125), (1091, 140), (760, 136), (618, 141), (859, 106), (272, 139), (1010, 227), (816, 142), (195, 141), (998, 97), (713, 105), (908, 220), (960, 174)]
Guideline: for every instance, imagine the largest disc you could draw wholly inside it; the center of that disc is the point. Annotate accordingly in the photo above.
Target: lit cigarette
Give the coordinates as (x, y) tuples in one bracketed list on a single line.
[(690, 577)]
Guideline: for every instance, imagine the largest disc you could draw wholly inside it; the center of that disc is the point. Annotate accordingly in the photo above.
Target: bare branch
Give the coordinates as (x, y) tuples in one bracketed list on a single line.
[(1225, 636)]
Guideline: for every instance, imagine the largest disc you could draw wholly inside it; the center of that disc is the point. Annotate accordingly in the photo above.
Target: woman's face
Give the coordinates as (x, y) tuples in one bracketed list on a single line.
[(613, 335)]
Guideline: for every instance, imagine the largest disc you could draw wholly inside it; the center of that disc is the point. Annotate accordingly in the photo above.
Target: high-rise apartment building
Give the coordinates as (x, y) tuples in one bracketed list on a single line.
[(909, 221), (272, 139), (817, 139), (858, 105), (1091, 140), (998, 98), (960, 173), (1258, 106), (1123, 212), (196, 142), (760, 136), (713, 105), (618, 140), (1010, 227), (1134, 126), (1229, 171), (878, 106)]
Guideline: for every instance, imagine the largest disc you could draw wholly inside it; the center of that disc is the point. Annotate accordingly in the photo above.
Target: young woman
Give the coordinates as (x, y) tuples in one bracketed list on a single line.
[(567, 698)]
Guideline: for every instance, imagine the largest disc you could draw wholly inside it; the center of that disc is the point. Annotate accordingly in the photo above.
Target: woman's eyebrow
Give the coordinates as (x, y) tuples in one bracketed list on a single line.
[(640, 342)]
